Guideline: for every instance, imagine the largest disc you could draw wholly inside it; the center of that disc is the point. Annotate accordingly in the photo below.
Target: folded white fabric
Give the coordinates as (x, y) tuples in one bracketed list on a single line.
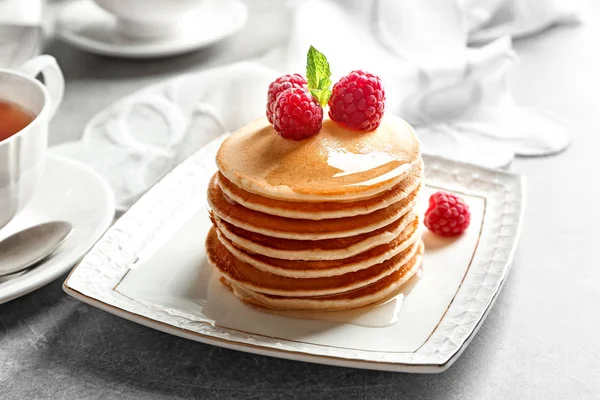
[(140, 138), (454, 93), (457, 96), (490, 19)]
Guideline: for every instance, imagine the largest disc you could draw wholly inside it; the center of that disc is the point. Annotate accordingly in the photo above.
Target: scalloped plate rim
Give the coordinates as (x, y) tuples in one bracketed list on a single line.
[(517, 181)]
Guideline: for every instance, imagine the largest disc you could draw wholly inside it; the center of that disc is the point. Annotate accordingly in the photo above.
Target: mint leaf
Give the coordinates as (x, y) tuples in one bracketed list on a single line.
[(318, 75), (322, 95)]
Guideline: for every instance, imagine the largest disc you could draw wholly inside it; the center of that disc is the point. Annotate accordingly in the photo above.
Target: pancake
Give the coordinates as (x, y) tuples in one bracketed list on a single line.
[(324, 223), (327, 268), (322, 210), (304, 229), (381, 290), (246, 276), (338, 164), (327, 249)]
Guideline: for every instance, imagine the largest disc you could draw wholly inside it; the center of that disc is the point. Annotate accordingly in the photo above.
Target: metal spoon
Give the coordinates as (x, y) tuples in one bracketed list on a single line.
[(30, 246)]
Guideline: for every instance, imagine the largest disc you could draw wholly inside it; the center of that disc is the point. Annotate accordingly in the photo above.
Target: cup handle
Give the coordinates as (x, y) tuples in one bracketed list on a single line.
[(53, 78)]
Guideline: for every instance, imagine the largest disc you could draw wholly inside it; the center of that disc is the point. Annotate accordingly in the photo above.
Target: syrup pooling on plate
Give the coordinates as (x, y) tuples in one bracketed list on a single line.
[(218, 307), (374, 316), (380, 315), (337, 162), (383, 314)]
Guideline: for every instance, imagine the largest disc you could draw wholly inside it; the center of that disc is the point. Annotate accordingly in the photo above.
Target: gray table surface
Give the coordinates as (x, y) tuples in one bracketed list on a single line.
[(541, 339)]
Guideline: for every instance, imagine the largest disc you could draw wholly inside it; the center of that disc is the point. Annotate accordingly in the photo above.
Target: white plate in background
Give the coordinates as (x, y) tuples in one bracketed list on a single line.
[(88, 27)]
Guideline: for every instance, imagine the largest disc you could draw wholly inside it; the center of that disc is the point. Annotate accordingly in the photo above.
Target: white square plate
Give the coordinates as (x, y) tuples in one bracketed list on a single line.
[(151, 268)]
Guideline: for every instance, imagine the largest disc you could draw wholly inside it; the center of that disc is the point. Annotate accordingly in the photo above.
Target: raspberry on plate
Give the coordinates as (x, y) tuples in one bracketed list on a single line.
[(358, 101), (447, 215), (279, 85), (296, 114)]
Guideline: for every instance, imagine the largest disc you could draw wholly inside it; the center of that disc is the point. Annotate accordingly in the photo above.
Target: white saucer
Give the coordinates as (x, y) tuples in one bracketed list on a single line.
[(87, 27), (72, 192)]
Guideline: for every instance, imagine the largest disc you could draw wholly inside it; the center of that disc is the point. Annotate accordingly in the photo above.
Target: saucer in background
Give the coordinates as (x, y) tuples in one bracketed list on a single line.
[(88, 27), (69, 191)]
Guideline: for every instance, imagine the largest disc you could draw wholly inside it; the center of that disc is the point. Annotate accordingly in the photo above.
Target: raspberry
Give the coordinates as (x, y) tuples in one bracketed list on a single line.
[(358, 101), (447, 215), (279, 85), (296, 114)]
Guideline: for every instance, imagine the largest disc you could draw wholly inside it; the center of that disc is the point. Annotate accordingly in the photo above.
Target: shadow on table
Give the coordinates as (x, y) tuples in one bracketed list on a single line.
[(31, 306)]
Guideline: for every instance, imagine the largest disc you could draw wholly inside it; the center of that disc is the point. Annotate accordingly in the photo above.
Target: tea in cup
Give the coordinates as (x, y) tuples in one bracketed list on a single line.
[(13, 119)]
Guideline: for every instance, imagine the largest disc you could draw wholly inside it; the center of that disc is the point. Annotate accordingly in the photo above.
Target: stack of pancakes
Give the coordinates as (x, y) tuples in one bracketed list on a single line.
[(326, 223)]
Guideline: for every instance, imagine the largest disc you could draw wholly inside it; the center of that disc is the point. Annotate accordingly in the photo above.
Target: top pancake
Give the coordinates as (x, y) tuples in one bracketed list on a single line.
[(337, 164), (323, 209)]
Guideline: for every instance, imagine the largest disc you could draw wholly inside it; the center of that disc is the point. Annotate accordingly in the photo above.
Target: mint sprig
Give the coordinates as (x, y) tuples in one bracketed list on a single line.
[(318, 76)]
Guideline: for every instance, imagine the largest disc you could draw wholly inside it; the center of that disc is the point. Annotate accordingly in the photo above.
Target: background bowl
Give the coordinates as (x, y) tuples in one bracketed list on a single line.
[(149, 18)]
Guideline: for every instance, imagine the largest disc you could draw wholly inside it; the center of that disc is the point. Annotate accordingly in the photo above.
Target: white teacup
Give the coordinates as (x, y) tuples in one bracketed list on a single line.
[(22, 155), (150, 18)]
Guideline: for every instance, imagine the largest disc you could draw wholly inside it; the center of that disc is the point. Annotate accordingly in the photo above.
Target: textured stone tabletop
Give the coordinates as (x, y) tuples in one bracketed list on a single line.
[(540, 341)]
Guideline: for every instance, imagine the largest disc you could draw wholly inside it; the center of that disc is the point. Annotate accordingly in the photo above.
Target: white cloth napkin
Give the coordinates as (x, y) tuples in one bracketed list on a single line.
[(137, 140), (454, 92), (489, 19), (456, 95)]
